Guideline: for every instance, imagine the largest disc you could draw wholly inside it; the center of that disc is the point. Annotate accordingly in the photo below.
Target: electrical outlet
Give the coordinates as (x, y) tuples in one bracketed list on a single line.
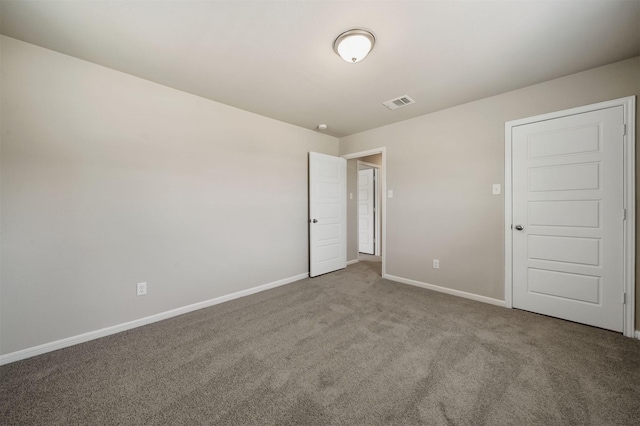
[(141, 289), (436, 264)]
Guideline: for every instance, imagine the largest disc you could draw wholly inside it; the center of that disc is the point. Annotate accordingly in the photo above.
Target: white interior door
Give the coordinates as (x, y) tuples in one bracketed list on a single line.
[(366, 212), (328, 213), (568, 236)]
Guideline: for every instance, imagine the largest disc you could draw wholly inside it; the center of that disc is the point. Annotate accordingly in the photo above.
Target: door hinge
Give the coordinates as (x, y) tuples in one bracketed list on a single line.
[(624, 214), (624, 298), (624, 130)]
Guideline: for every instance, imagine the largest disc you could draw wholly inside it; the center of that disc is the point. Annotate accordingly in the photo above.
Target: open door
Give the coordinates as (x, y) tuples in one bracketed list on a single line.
[(328, 213)]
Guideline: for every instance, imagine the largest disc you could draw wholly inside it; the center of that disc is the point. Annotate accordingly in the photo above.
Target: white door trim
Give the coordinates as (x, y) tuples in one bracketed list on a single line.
[(628, 105), (383, 198)]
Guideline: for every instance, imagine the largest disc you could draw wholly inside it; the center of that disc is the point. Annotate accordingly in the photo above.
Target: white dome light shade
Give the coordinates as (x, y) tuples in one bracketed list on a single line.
[(354, 45)]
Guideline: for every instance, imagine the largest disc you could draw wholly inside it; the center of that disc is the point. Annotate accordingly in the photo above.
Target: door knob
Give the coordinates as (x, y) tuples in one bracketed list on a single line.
[(519, 227), (315, 221)]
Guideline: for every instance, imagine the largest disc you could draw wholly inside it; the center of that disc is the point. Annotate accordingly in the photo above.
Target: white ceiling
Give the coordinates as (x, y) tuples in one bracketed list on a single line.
[(275, 58)]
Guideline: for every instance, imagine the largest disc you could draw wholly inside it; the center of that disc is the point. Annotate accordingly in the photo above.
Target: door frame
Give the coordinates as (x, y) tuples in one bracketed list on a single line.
[(383, 198), (376, 205), (629, 191)]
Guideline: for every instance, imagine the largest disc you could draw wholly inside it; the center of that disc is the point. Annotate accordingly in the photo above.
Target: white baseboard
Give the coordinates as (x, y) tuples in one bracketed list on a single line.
[(459, 293), (446, 290), (85, 337), (351, 262)]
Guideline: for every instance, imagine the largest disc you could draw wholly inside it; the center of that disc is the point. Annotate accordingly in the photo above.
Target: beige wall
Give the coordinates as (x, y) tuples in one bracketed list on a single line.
[(109, 180), (441, 167)]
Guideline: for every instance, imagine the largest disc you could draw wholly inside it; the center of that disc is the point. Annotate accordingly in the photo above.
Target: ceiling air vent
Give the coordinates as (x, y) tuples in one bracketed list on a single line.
[(399, 102)]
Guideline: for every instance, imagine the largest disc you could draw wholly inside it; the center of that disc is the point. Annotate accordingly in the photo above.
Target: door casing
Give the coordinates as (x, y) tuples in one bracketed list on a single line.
[(629, 183)]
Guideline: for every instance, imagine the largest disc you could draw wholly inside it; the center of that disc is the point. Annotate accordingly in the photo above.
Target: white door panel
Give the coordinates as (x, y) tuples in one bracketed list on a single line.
[(567, 181), (575, 140), (328, 213), (585, 251), (567, 177), (584, 288), (366, 215), (583, 214)]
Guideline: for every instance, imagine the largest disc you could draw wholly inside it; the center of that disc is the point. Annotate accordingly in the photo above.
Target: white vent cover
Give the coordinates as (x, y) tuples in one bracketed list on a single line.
[(399, 102)]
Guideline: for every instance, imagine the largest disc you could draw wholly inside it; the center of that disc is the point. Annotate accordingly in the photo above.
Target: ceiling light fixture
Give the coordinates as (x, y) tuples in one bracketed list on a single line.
[(354, 45)]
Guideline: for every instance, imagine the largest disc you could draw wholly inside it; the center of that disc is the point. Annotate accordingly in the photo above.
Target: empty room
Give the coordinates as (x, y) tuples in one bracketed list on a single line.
[(319, 212)]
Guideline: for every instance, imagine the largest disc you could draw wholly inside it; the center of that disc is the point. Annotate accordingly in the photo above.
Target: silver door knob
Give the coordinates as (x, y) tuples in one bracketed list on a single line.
[(315, 221), (519, 227)]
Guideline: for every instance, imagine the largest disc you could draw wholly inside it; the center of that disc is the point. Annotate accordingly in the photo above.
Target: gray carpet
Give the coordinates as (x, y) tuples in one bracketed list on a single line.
[(346, 348)]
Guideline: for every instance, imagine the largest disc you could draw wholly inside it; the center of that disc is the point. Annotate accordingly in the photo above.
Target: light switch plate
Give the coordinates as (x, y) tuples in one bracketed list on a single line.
[(496, 189), (390, 193)]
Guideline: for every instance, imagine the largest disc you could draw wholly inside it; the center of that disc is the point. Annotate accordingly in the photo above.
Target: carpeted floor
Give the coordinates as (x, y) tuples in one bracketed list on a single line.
[(347, 348)]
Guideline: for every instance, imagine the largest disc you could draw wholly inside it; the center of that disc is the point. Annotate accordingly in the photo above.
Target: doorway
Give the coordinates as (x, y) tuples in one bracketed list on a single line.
[(374, 236), (368, 194), (570, 215)]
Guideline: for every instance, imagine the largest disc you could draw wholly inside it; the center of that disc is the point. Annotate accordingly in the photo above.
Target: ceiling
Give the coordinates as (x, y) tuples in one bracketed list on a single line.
[(275, 58)]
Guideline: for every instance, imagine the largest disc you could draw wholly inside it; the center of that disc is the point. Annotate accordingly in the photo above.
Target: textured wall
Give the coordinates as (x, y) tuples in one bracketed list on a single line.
[(109, 180)]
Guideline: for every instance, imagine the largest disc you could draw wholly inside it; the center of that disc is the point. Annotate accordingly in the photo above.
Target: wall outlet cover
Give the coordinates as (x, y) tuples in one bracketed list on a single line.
[(141, 289)]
